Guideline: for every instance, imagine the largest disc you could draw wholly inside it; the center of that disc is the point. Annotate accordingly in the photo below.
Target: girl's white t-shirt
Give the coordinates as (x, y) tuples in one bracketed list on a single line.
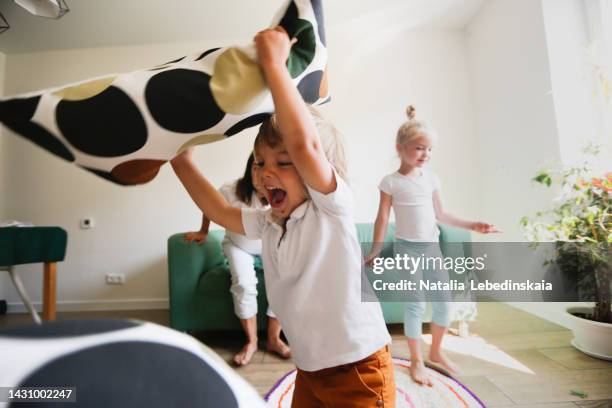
[(252, 246), (313, 281), (412, 201)]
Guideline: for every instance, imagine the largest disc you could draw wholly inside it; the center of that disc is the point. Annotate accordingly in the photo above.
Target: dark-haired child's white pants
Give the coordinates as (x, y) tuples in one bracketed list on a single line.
[(244, 280)]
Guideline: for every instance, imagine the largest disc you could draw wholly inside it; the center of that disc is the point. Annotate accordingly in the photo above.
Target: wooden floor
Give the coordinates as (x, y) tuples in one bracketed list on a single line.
[(511, 359)]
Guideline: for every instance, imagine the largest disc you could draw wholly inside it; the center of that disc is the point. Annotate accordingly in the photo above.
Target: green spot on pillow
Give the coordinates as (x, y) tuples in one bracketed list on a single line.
[(303, 51)]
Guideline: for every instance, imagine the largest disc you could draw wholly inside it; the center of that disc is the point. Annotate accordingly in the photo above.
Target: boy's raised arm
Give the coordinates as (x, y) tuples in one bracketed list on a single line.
[(294, 120), (205, 195)]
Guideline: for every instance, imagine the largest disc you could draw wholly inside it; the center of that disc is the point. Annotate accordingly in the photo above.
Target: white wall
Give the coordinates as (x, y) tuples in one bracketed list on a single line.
[(571, 69), (533, 103), (515, 116), (375, 79), (372, 82)]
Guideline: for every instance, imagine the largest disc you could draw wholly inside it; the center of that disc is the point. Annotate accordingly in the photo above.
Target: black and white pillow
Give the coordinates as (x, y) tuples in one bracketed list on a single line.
[(124, 127), (121, 363)]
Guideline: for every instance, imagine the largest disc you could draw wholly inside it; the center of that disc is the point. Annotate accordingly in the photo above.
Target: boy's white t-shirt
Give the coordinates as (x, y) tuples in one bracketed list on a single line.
[(412, 201), (228, 191), (313, 281)]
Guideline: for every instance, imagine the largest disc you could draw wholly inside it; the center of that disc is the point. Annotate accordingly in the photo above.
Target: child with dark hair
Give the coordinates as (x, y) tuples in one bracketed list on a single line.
[(240, 253)]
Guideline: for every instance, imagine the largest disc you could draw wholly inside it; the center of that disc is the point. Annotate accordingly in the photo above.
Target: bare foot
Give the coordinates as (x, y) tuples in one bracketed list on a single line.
[(419, 374), (445, 362), (279, 347), (244, 356)]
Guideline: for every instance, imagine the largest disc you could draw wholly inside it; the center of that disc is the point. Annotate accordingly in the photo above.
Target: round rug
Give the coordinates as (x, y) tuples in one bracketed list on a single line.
[(446, 391)]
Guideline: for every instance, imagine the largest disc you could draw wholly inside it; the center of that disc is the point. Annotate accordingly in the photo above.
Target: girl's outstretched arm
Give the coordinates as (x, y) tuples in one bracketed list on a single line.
[(205, 195), (380, 227), (449, 219), (295, 122)]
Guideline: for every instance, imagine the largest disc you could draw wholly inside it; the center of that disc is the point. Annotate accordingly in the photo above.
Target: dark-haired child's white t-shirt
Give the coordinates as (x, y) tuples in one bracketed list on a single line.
[(313, 281), (228, 191)]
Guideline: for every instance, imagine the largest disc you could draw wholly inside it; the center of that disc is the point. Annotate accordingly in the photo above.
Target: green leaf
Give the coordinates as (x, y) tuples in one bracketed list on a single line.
[(543, 178), (579, 393)]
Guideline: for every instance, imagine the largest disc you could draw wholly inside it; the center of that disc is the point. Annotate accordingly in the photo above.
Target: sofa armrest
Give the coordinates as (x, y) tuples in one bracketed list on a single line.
[(191, 256), (365, 232), (455, 242), (187, 261)]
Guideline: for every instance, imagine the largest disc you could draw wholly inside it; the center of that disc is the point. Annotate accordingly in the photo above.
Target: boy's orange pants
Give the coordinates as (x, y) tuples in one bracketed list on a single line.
[(368, 383)]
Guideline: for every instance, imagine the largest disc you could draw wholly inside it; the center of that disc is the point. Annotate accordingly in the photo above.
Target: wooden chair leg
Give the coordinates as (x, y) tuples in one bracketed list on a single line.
[(49, 290)]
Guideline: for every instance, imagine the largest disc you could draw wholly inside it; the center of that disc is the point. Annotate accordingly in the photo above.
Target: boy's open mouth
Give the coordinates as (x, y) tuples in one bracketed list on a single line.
[(276, 196)]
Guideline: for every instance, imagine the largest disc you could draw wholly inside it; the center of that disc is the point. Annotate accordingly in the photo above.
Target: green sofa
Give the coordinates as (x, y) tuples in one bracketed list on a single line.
[(200, 297)]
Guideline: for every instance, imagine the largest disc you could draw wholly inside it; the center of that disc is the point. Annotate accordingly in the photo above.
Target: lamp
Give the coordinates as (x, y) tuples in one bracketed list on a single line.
[(4, 25), (45, 8)]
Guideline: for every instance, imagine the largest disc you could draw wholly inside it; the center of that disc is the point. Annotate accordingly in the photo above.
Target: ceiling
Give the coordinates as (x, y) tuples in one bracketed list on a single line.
[(108, 23)]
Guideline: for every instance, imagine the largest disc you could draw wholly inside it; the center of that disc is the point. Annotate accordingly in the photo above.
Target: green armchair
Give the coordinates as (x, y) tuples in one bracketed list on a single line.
[(200, 297)]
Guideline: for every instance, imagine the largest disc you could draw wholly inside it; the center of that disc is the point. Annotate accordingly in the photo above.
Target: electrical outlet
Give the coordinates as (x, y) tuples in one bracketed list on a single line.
[(86, 223), (115, 279)]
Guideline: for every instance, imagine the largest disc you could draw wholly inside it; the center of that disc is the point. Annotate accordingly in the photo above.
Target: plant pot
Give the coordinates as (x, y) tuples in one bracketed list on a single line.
[(590, 337)]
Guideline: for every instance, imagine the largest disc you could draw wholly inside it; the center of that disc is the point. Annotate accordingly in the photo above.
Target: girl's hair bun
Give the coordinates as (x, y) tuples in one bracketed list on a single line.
[(411, 112)]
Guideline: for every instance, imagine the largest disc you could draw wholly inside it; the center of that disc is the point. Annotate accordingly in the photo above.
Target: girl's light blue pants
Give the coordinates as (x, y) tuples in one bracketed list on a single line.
[(440, 300)]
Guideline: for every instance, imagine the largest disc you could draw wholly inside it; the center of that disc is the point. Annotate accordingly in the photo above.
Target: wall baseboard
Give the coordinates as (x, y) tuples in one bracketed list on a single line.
[(97, 305), (551, 311)]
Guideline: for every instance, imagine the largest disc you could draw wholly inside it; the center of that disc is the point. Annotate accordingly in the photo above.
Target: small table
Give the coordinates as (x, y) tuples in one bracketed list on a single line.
[(24, 245)]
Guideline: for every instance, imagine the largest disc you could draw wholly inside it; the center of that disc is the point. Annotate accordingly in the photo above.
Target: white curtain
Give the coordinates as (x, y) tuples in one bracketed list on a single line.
[(598, 15)]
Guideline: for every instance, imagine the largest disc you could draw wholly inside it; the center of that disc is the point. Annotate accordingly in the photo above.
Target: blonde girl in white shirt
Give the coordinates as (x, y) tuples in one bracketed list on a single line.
[(240, 253), (310, 249), (413, 192)]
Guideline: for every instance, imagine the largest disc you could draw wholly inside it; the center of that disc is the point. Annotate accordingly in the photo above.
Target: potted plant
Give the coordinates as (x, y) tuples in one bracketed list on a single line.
[(580, 224)]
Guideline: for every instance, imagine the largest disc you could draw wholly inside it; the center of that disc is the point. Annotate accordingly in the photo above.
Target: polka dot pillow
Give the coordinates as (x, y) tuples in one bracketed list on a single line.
[(125, 127)]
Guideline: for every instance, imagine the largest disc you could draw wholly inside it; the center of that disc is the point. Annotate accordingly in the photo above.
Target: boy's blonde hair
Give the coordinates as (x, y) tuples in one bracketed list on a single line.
[(330, 137), (412, 129)]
